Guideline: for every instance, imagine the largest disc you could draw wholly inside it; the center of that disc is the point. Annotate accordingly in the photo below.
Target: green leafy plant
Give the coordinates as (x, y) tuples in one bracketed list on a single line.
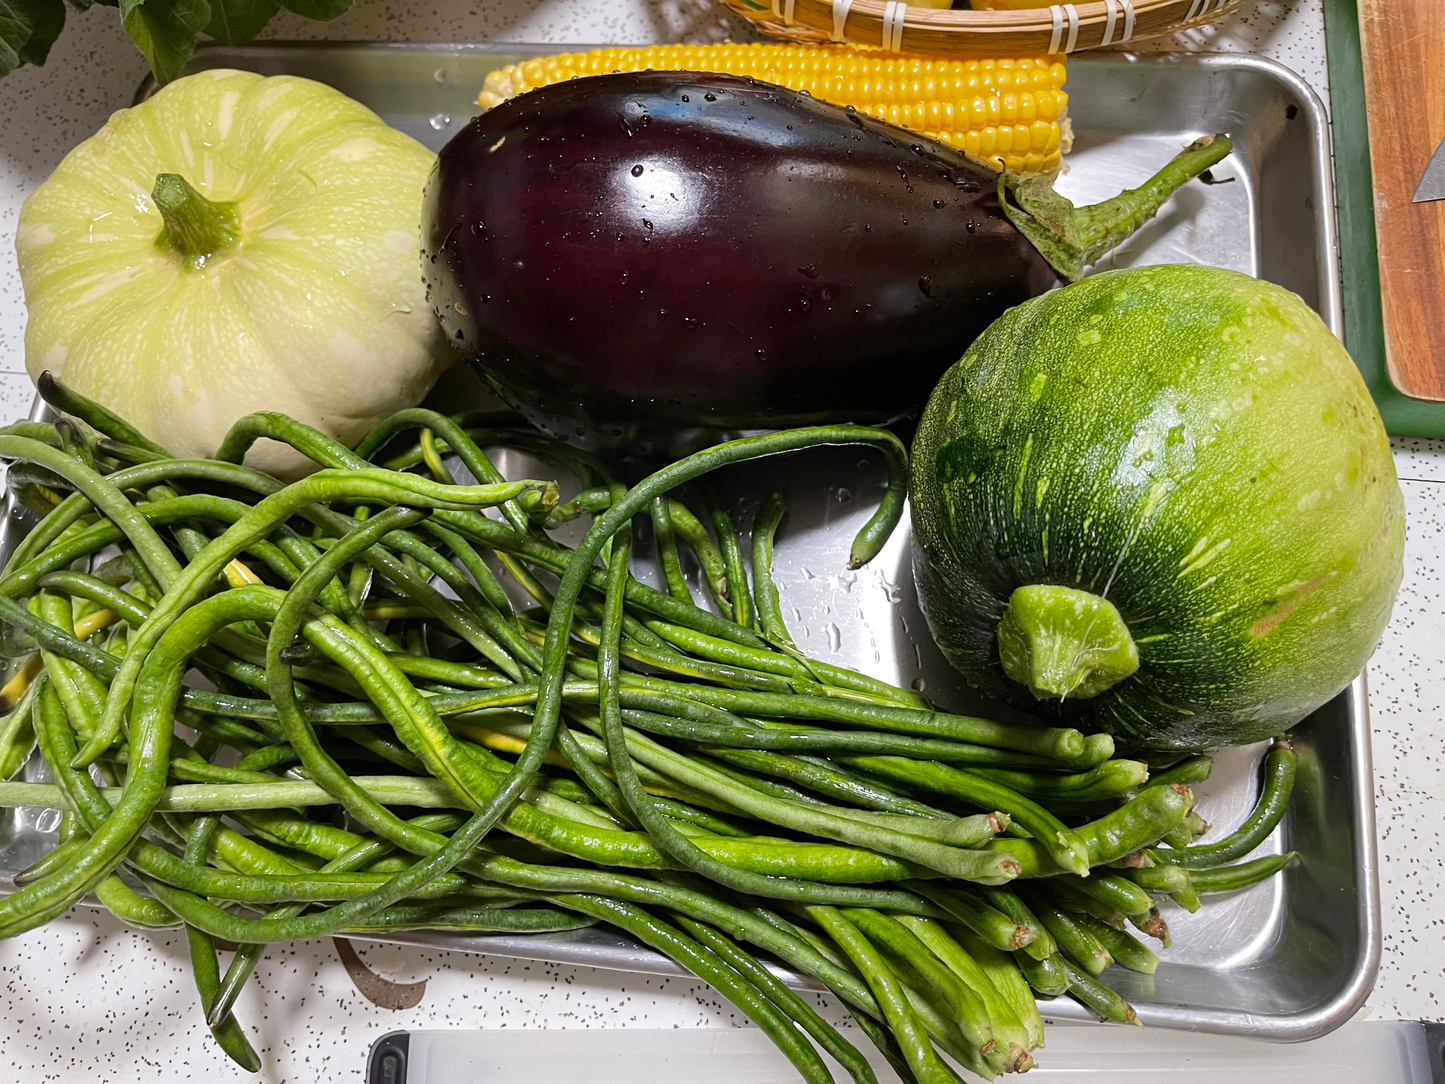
[(164, 31)]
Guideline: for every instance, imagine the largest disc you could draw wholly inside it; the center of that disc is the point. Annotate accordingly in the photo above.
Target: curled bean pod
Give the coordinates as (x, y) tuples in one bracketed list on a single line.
[(1279, 774)]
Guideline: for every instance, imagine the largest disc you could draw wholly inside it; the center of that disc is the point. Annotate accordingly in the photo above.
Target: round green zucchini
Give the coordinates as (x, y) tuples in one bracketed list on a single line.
[(1159, 503)]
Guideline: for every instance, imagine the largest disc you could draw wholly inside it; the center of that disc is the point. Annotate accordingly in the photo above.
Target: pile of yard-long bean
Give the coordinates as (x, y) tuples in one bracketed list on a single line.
[(382, 740)]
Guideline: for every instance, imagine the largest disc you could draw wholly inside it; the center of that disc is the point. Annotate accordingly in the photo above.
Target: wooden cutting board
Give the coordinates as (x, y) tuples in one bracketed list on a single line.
[(1402, 43)]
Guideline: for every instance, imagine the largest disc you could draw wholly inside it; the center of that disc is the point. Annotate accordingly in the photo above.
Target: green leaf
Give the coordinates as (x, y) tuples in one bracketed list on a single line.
[(235, 22), (324, 10), (49, 19), (164, 31), (17, 24)]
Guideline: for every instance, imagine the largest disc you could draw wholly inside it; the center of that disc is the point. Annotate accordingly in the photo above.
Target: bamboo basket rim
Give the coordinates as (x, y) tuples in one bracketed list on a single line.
[(898, 27)]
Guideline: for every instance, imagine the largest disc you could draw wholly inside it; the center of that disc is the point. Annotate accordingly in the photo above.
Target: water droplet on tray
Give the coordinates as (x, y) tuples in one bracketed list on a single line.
[(918, 685), (439, 120), (835, 637)]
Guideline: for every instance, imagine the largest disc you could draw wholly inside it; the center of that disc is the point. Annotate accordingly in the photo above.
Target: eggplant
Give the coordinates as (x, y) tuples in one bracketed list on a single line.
[(650, 260)]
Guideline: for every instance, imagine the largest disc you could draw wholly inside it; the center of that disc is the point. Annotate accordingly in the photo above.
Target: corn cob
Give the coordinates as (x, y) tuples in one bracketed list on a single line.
[(1009, 109)]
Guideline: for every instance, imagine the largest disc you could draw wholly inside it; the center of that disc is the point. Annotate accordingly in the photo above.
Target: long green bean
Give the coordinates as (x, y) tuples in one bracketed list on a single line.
[(916, 961), (765, 590), (1011, 1029), (716, 972), (1243, 875), (776, 991), (672, 736), (927, 1067), (1063, 845)]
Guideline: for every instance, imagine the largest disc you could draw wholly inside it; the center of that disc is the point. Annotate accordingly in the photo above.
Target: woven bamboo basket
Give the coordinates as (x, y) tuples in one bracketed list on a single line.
[(900, 28)]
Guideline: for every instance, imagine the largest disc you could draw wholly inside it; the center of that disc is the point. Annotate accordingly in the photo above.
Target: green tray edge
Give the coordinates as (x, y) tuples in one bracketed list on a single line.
[(1355, 207)]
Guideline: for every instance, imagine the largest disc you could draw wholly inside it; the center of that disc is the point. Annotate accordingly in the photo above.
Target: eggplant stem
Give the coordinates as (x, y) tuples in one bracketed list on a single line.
[(1071, 238)]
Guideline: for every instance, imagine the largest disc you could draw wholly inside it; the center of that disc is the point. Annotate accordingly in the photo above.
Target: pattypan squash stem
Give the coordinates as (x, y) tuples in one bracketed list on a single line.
[(196, 229)]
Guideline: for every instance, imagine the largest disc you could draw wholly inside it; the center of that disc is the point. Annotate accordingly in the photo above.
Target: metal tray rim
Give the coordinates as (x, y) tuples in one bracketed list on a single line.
[(1295, 1027)]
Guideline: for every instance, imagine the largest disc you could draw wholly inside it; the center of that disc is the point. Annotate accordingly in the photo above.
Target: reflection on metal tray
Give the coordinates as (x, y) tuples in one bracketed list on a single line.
[(1290, 959)]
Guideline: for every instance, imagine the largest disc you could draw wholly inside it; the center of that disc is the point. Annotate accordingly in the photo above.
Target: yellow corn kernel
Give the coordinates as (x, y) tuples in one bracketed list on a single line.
[(1010, 107)]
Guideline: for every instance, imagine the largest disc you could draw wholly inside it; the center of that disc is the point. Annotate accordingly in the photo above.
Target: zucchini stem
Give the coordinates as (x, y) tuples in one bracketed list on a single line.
[(1064, 643)]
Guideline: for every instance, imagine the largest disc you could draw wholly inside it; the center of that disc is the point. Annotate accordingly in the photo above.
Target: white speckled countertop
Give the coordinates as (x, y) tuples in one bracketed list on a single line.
[(85, 998)]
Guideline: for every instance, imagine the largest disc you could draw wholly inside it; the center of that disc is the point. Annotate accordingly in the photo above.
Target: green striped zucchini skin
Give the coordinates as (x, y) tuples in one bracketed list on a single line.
[(1192, 444)]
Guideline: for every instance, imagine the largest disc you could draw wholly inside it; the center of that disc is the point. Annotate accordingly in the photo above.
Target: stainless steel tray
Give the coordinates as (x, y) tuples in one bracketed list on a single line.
[(1288, 960)]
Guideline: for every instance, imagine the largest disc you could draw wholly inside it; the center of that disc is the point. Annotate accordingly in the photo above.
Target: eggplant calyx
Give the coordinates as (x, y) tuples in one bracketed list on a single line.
[(1071, 238), (196, 229), (1063, 643)]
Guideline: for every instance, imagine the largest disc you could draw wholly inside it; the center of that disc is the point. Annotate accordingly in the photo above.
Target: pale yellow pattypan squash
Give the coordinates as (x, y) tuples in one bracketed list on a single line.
[(235, 243)]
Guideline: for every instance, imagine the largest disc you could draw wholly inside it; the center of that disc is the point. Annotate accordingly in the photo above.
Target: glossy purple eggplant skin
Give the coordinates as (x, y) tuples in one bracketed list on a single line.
[(645, 260)]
